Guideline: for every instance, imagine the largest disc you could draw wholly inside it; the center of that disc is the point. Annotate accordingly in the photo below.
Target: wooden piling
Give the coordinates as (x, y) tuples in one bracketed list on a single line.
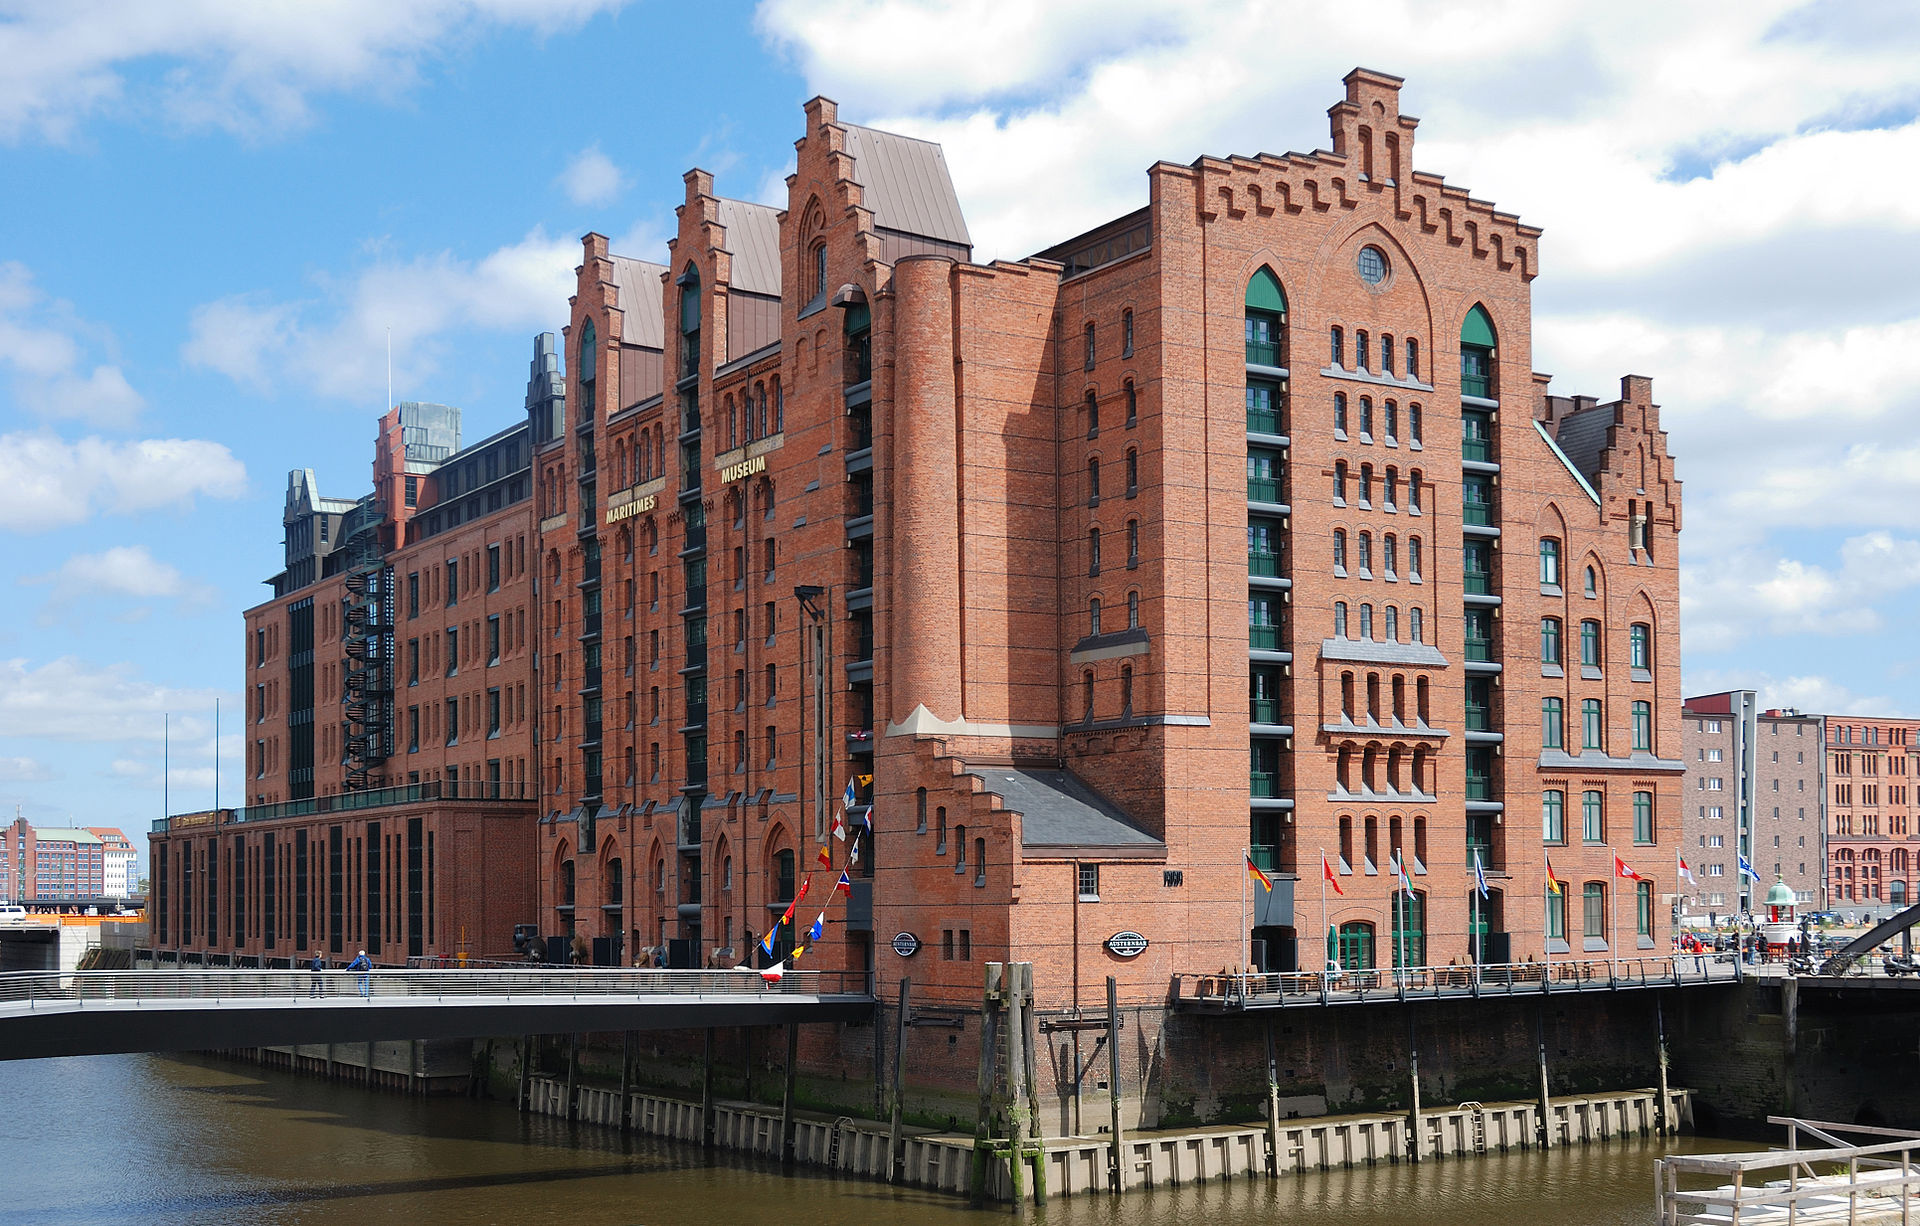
[(896, 1139), (706, 1094), (1116, 1148), (786, 1099)]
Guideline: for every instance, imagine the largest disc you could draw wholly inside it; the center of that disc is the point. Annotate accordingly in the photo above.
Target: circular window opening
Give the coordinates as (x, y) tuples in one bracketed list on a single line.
[(1372, 265)]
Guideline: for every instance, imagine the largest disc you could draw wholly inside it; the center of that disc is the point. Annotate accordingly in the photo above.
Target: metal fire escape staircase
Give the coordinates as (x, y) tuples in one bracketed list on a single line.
[(367, 694)]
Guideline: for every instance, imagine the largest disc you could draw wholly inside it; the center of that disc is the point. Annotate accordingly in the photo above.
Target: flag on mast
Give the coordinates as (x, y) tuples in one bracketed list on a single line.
[(839, 825), (844, 885), (1326, 872), (1253, 870), (849, 798), (825, 857), (1686, 874), (1479, 874), (1553, 882), (1400, 871), (1746, 870), (1621, 869), (819, 927)]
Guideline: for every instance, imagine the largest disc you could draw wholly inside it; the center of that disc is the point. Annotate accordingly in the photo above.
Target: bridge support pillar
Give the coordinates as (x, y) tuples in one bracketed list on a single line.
[(786, 1099)]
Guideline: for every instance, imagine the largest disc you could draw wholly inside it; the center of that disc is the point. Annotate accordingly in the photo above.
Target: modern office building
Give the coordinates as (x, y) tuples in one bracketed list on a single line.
[(390, 740), (46, 863), (1238, 529), (120, 863), (1754, 788), (1238, 525)]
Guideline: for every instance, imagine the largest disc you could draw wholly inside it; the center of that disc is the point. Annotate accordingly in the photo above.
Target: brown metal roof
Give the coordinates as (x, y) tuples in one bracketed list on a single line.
[(753, 239), (906, 184), (638, 284)]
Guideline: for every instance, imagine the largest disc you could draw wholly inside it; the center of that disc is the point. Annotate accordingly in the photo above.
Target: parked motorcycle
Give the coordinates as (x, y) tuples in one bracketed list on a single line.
[(1801, 966), (1896, 965)]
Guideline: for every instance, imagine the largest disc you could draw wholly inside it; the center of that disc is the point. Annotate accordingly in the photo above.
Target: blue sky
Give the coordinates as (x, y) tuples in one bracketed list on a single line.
[(215, 212)]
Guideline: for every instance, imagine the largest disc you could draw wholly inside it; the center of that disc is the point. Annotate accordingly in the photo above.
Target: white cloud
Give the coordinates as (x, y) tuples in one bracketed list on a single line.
[(1812, 693), (75, 700), (242, 67), (336, 344), (40, 345), (591, 178), (122, 573), (53, 483), (24, 770), (1744, 594)]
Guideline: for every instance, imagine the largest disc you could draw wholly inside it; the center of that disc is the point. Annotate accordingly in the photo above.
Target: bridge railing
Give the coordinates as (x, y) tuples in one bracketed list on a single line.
[(1237, 990), (32, 988)]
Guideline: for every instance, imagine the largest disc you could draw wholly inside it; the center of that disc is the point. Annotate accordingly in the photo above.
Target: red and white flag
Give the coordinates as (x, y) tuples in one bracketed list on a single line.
[(1686, 874), (1326, 871), (1620, 869), (839, 827)]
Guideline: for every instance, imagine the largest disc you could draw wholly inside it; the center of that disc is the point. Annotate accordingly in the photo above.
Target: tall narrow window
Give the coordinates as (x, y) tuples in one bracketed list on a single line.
[(1093, 615), (1089, 336), (1413, 358), (1592, 727), (1643, 817), (1133, 610), (1093, 482), (1337, 346), (1340, 551), (1640, 644), (1552, 724), (1093, 551), (1593, 817), (1093, 415), (1549, 562), (1126, 334), (1340, 415), (1550, 640), (1553, 816), (1643, 726)]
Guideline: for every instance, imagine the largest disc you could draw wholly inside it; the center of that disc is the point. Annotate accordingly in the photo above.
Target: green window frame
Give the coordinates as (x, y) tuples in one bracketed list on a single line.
[(1590, 643), (1355, 949), (1476, 500), (1556, 905), (1266, 319), (1592, 725), (1409, 929), (1549, 562), (1476, 568), (1593, 910), (1643, 908), (1476, 435), (1550, 640), (1478, 627), (1553, 724), (1553, 816), (1593, 816), (1264, 398), (1643, 817), (1643, 726), (1640, 645)]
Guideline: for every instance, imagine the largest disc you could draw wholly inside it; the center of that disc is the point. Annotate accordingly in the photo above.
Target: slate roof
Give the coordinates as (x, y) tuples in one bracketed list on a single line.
[(1060, 811), (753, 239), (638, 284), (1582, 436), (906, 184)]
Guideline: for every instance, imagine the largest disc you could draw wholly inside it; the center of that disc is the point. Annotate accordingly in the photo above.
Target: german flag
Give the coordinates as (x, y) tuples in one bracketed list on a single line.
[(1553, 883), (1253, 870)]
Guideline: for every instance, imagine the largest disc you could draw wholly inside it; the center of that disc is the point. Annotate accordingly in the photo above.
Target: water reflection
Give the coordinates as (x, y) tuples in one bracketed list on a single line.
[(141, 1139)]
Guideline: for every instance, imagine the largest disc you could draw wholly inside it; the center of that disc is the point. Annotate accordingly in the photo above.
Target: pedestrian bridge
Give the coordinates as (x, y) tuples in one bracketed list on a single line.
[(1234, 993), (85, 1013)]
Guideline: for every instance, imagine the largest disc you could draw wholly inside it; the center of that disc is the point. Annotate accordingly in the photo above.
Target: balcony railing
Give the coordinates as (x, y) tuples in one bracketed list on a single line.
[(1479, 450), (1476, 385), (1266, 565), (1479, 650), (1477, 514), (1479, 787), (1479, 718), (1263, 489), (1264, 785), (1476, 583), (1263, 421), (1265, 710), (1263, 353), (1263, 638)]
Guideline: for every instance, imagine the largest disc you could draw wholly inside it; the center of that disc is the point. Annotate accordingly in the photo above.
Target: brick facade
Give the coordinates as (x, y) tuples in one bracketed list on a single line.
[(1871, 840)]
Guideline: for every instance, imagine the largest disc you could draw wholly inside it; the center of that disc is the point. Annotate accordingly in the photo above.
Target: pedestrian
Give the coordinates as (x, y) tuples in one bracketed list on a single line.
[(364, 965), (581, 953), (319, 968)]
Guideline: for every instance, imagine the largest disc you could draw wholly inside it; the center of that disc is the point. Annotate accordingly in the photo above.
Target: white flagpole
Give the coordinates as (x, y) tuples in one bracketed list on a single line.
[(1246, 933), (1546, 925), (1326, 927), (1474, 942), (1613, 909)]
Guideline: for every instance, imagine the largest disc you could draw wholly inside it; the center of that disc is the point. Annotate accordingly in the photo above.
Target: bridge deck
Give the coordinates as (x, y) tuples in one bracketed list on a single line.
[(94, 1012), (1294, 989)]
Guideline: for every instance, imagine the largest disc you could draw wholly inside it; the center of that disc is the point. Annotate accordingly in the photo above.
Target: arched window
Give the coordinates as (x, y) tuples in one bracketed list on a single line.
[(1340, 483), (1126, 689), (1088, 335), (1362, 350), (733, 423), (1413, 358), (1133, 472), (587, 368), (1354, 947), (1340, 619), (1391, 424), (1386, 359), (689, 282), (1086, 702), (1340, 551), (1388, 561), (1266, 320), (1366, 419), (818, 271), (1093, 615), (784, 877), (1133, 610), (1093, 415), (1392, 626), (1364, 556), (1366, 485), (1415, 630), (779, 407), (1339, 415), (1366, 621), (1337, 347), (1476, 354)]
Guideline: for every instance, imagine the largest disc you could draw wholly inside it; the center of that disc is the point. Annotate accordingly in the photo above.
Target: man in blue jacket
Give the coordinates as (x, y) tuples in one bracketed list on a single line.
[(363, 964), (319, 968)]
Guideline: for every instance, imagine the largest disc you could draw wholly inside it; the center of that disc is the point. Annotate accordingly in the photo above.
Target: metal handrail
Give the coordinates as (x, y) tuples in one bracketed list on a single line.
[(1433, 982), (79, 988)]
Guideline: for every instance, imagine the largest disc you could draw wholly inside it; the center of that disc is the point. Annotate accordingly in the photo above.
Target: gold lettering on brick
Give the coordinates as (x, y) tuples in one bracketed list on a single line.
[(638, 506), (745, 468)]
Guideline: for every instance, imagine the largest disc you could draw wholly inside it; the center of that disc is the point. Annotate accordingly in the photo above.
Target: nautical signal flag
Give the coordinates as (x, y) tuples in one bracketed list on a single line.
[(839, 825), (1686, 874), (844, 885), (866, 819), (1620, 869), (1326, 872), (766, 946), (825, 857), (819, 927), (1553, 883), (1266, 882), (848, 798), (804, 883)]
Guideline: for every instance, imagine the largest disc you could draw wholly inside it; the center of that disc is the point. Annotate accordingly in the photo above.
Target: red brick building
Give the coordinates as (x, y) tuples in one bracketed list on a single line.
[(388, 688), (1084, 577), (835, 506), (1872, 844)]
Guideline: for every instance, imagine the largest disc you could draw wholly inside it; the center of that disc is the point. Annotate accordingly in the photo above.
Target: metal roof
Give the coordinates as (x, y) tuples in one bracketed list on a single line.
[(753, 239), (638, 284), (1058, 810), (906, 184)]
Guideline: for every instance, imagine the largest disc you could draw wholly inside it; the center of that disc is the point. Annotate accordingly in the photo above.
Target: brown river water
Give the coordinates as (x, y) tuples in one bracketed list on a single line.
[(152, 1139)]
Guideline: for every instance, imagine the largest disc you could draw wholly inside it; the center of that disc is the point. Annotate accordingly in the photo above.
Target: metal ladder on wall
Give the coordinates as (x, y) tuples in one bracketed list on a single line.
[(1477, 1117)]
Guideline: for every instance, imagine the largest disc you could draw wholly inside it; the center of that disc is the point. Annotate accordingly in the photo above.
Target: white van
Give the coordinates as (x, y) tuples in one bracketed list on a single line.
[(12, 913)]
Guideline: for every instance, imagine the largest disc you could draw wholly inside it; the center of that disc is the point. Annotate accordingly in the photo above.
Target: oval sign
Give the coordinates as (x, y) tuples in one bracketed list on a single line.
[(1126, 944), (906, 944)]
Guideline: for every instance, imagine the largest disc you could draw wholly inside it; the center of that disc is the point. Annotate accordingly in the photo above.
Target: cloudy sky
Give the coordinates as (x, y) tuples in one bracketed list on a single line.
[(216, 212)]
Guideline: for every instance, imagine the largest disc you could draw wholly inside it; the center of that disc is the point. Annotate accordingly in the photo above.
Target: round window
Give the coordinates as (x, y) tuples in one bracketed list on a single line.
[(1372, 265)]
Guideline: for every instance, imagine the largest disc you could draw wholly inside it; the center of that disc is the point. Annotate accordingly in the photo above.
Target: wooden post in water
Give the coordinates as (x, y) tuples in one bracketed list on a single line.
[(706, 1093), (1037, 1151), (526, 1071), (1662, 1117), (1413, 1117), (786, 1101), (896, 1139), (573, 1077), (1273, 1108), (981, 1163), (626, 1080), (1019, 1108), (1117, 1149), (1545, 1131)]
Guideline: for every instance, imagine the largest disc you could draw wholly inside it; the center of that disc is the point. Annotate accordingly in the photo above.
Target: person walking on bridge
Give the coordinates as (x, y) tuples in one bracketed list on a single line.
[(363, 964), (319, 968)]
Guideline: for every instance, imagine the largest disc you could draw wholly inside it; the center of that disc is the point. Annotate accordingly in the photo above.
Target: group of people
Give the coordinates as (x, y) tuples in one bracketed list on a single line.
[(318, 968)]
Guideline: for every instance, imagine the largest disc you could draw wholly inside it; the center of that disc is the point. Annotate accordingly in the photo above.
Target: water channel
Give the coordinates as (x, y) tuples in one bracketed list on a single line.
[(151, 1139)]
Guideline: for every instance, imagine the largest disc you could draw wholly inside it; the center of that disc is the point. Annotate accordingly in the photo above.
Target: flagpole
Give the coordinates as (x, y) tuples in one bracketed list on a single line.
[(1613, 909), (1246, 933), (1546, 921), (1326, 928)]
